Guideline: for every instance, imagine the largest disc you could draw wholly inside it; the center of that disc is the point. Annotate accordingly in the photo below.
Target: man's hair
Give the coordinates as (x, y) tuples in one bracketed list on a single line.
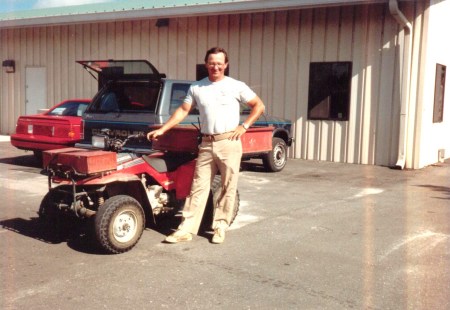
[(216, 50)]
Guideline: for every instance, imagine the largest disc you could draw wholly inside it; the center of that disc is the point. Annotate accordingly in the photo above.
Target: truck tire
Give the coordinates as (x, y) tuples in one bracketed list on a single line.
[(119, 224), (276, 159), (208, 216)]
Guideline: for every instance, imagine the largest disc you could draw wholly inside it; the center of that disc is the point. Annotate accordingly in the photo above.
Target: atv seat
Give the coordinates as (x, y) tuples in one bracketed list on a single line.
[(169, 162)]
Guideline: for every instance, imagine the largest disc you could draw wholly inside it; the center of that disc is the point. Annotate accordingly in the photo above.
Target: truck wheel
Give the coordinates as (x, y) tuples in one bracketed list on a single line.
[(119, 224), (275, 160), (216, 187)]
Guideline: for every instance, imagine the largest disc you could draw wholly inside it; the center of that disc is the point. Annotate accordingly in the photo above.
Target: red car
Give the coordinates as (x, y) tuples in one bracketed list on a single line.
[(57, 128)]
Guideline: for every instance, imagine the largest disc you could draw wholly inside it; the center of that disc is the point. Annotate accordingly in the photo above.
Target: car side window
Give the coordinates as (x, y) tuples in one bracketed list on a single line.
[(70, 108), (179, 92), (109, 102), (81, 108)]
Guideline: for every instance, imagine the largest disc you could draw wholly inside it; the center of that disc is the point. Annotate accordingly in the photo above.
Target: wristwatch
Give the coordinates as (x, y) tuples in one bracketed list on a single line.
[(245, 126)]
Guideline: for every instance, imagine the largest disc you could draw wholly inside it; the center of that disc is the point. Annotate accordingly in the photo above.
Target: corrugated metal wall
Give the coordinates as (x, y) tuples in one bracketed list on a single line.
[(270, 51)]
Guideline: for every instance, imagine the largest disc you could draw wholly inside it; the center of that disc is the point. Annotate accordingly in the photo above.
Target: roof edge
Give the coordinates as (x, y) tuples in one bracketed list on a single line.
[(222, 7)]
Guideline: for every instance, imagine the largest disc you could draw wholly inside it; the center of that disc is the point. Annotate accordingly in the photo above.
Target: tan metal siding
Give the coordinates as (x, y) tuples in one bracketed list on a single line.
[(270, 51), (386, 140), (267, 60), (292, 89)]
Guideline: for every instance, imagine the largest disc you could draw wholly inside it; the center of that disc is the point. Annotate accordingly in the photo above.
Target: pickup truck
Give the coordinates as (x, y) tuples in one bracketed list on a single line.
[(132, 95)]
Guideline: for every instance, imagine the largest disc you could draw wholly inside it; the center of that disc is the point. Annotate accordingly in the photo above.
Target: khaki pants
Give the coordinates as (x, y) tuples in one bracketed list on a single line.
[(224, 156)]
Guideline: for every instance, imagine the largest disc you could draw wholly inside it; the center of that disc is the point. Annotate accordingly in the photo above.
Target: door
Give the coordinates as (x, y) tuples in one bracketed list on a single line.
[(35, 89)]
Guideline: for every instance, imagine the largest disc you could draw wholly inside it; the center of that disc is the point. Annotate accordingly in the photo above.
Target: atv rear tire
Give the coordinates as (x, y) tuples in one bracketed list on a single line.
[(119, 224), (48, 210), (56, 223)]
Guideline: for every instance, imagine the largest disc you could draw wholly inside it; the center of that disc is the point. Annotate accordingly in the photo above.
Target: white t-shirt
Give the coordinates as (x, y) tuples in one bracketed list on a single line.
[(218, 103)]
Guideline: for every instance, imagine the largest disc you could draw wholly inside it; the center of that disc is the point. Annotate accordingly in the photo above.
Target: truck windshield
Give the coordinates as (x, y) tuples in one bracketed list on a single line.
[(127, 96)]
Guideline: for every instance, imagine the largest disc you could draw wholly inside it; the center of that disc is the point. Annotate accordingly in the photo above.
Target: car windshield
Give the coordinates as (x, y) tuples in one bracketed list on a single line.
[(69, 108), (127, 96)]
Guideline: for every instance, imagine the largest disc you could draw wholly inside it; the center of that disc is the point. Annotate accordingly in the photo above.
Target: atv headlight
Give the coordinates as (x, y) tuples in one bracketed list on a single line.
[(98, 142)]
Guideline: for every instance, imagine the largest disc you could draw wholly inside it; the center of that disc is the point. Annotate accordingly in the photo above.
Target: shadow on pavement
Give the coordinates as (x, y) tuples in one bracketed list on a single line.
[(24, 161), (79, 236), (75, 235), (441, 189), (252, 166)]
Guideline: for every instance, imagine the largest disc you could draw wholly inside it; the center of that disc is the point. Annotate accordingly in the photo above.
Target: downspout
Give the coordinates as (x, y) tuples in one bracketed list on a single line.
[(405, 82)]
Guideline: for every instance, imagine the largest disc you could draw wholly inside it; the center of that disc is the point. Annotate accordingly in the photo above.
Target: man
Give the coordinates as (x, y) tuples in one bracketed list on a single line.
[(218, 99)]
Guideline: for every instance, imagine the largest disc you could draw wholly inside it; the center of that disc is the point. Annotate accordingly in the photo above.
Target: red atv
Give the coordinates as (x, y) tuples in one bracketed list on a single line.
[(122, 191)]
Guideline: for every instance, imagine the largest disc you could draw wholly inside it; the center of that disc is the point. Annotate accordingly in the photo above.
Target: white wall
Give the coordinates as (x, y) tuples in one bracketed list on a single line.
[(435, 136)]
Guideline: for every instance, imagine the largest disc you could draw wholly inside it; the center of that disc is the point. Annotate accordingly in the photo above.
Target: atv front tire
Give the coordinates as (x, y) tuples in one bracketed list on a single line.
[(119, 224)]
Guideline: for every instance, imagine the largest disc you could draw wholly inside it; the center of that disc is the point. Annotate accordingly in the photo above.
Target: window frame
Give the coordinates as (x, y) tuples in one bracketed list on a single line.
[(439, 93)]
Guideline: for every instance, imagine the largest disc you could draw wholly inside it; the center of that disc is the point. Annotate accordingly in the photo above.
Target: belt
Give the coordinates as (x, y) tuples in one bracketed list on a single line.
[(217, 137)]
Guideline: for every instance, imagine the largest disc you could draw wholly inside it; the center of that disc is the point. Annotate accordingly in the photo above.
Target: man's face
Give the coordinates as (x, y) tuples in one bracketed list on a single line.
[(216, 66)]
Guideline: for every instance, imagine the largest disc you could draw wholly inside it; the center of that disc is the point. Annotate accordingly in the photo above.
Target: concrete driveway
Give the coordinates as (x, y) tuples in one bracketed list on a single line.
[(318, 235)]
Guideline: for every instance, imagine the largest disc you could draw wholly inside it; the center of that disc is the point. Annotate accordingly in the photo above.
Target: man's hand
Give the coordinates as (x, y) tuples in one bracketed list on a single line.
[(180, 113), (153, 135), (238, 132)]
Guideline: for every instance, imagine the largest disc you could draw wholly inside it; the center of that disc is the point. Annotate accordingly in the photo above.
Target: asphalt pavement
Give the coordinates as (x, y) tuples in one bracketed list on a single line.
[(317, 235)]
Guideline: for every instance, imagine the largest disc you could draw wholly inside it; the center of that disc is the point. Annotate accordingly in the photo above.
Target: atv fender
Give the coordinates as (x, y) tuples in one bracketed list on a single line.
[(111, 178), (132, 187)]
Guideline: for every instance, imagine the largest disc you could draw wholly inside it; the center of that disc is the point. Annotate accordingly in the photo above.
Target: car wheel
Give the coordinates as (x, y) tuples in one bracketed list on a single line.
[(119, 224), (208, 216), (276, 159)]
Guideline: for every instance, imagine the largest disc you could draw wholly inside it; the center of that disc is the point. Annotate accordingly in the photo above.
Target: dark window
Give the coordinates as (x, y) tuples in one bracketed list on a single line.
[(202, 72), (127, 96), (438, 111), (329, 90)]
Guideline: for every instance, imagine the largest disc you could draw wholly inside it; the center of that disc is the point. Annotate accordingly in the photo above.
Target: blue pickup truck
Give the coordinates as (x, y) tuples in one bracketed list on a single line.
[(132, 95)]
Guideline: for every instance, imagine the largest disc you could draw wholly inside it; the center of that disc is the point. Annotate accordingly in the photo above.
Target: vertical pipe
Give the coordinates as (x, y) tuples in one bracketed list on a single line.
[(405, 82)]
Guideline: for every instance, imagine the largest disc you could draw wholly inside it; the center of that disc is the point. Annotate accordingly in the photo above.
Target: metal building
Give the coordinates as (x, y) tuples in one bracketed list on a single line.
[(363, 81)]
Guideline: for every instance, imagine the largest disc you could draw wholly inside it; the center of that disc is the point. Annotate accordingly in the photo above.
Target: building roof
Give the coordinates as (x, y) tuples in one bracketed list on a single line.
[(135, 9)]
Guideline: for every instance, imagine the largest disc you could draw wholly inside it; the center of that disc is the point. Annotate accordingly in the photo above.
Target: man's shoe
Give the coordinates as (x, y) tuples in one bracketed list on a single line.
[(219, 235), (179, 236)]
